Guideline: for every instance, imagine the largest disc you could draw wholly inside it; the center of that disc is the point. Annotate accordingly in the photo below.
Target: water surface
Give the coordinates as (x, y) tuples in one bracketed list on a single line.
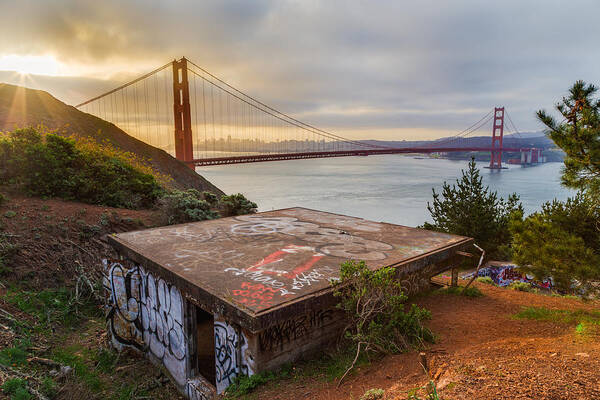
[(390, 188)]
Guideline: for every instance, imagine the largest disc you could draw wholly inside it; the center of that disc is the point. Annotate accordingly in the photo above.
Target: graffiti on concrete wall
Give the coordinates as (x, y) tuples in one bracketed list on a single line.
[(280, 334), (146, 312), (231, 354), (328, 241)]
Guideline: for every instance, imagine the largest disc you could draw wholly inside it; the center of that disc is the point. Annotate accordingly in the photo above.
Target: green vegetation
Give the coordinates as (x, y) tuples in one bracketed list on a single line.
[(187, 206), (46, 164), (373, 394), (244, 385), (375, 307), (586, 322), (75, 168), (471, 291), (562, 241), (17, 389), (15, 355), (237, 204), (53, 306), (190, 205), (328, 367), (429, 388), (10, 214), (487, 280), (579, 137), (522, 286), (468, 208)]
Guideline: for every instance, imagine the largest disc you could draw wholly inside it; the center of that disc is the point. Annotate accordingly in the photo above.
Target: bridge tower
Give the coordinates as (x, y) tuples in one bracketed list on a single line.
[(497, 135), (184, 146)]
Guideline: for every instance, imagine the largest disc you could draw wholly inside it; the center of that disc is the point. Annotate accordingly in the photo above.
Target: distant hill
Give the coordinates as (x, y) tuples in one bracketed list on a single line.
[(525, 139), (22, 107)]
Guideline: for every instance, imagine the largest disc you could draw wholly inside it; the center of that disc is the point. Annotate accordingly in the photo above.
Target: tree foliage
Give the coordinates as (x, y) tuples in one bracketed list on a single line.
[(468, 208), (578, 135), (561, 241)]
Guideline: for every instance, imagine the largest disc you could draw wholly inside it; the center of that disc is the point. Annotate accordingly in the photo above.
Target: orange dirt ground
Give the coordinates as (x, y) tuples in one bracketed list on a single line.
[(481, 353)]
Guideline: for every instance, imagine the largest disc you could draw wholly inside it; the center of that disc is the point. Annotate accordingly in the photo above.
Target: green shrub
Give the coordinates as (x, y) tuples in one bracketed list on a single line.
[(486, 280), (106, 360), (521, 286), (14, 356), (17, 389), (375, 306), (48, 387), (373, 394), (237, 204), (10, 214), (211, 198), (52, 305), (471, 291), (50, 165), (186, 206), (243, 385)]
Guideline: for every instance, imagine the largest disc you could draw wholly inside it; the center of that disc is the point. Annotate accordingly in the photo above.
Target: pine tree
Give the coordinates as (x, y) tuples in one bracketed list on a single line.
[(468, 208), (578, 135)]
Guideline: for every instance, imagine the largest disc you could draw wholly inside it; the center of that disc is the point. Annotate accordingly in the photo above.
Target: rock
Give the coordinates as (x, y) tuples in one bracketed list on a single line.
[(582, 354)]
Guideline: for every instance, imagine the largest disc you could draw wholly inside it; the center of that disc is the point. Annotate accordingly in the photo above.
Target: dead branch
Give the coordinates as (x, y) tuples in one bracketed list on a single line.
[(353, 363), (45, 361), (478, 266)]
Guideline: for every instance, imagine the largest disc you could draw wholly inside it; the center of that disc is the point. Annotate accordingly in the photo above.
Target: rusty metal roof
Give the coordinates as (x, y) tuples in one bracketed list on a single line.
[(254, 264)]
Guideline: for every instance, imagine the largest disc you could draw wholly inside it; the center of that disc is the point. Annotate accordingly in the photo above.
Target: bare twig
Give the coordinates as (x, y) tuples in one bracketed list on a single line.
[(353, 363), (478, 266), (45, 361)]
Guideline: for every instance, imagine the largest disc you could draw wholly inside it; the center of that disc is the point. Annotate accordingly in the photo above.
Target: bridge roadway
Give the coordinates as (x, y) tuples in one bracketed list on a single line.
[(339, 153)]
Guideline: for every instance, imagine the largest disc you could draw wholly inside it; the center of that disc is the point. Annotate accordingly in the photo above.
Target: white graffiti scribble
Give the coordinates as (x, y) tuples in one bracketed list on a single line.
[(328, 241), (228, 364), (258, 276), (146, 313), (306, 279)]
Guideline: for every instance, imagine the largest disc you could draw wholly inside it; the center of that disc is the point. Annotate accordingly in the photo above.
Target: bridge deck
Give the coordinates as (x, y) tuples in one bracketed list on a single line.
[(255, 267), (251, 158)]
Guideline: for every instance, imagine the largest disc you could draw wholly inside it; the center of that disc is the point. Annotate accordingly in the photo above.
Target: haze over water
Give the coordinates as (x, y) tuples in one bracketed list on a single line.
[(389, 188)]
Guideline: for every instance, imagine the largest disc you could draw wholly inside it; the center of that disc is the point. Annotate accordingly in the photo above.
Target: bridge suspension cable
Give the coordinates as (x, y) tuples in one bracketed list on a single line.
[(203, 120)]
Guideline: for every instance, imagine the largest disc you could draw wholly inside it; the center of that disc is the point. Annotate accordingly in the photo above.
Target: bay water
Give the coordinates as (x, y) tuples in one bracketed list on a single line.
[(389, 188)]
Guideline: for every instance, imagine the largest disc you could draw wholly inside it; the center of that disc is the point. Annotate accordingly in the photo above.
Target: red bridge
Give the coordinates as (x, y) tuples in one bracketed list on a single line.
[(200, 119)]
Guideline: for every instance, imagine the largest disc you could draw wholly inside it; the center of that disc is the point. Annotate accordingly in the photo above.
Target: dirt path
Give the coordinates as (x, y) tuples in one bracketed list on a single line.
[(482, 353)]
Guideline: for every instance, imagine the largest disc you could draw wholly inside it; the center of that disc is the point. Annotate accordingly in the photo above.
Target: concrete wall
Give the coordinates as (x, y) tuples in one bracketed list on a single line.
[(149, 314), (146, 313)]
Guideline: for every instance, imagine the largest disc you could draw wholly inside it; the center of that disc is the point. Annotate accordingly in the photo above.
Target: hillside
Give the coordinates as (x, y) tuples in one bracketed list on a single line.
[(21, 107)]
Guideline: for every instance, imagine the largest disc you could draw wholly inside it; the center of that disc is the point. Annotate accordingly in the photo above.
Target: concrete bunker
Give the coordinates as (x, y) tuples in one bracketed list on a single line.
[(216, 299)]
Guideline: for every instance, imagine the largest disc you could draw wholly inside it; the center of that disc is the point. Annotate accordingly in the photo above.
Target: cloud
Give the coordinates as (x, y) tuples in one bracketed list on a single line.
[(384, 67)]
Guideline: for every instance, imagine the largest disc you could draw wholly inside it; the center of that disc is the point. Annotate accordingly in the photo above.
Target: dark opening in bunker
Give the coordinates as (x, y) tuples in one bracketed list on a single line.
[(205, 342)]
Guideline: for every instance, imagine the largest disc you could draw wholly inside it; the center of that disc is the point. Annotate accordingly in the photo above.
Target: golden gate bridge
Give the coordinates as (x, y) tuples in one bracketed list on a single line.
[(202, 120)]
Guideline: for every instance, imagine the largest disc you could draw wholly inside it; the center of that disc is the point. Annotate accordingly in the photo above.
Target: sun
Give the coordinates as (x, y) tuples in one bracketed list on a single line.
[(35, 65)]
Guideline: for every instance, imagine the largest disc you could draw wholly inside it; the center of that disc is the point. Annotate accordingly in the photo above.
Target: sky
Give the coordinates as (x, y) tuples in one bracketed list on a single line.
[(374, 69)]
